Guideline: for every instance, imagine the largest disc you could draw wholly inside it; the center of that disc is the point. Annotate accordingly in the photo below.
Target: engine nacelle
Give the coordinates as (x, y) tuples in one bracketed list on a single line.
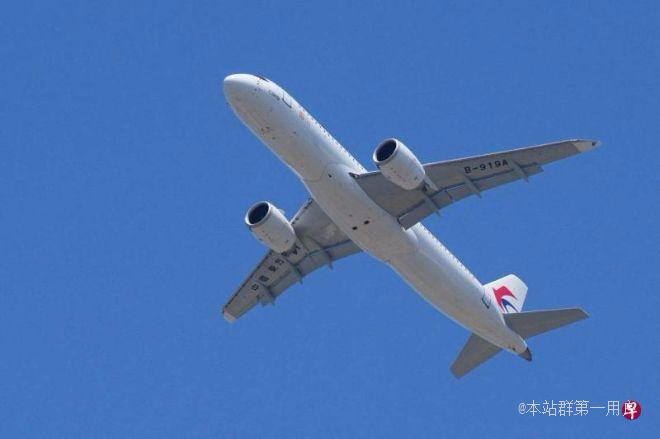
[(270, 226), (399, 165)]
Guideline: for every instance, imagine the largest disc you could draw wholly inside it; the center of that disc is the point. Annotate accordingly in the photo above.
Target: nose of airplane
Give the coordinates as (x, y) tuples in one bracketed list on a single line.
[(238, 86)]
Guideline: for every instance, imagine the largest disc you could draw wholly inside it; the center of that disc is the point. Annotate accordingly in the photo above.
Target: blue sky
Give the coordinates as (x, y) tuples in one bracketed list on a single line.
[(124, 178)]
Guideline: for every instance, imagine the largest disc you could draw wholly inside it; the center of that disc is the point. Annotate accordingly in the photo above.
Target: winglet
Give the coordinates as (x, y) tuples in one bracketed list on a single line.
[(230, 318), (586, 145)]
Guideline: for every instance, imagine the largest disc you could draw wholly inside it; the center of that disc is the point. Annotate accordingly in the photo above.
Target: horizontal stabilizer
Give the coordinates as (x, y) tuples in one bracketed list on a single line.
[(476, 351), (527, 324), (530, 323)]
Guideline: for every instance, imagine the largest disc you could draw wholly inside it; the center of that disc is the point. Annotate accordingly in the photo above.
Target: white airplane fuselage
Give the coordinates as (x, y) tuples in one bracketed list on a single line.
[(325, 169)]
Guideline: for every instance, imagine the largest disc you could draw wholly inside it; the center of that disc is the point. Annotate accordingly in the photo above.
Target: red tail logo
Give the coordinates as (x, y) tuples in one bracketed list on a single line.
[(501, 301)]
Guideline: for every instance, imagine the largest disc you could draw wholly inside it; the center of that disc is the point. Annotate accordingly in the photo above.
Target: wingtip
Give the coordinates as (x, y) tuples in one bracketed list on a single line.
[(585, 315), (228, 317), (456, 373), (586, 145)]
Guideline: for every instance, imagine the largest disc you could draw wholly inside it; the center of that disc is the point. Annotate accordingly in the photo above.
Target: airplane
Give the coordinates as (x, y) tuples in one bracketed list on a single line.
[(380, 213)]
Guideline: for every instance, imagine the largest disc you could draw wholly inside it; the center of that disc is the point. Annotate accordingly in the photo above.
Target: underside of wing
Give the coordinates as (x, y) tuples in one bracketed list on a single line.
[(460, 178), (319, 242)]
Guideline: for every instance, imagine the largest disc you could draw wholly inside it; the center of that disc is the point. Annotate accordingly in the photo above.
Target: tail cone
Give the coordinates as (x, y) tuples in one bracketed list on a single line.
[(527, 355)]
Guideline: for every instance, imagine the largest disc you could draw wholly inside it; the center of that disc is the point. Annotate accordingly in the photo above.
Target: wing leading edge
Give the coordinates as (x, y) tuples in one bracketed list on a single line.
[(319, 243), (459, 178)]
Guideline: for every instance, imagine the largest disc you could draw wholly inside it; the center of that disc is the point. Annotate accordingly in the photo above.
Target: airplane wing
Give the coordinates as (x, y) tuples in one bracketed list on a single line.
[(460, 178), (320, 242)]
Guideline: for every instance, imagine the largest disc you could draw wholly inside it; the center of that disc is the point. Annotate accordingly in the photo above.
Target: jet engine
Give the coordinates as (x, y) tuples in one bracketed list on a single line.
[(269, 225), (399, 165)]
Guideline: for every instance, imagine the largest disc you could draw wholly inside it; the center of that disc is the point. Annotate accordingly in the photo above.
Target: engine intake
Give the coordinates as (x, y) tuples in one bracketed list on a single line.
[(399, 165), (270, 226)]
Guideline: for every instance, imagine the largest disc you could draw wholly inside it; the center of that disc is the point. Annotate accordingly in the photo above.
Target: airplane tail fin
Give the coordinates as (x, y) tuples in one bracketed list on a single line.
[(527, 324), (508, 293)]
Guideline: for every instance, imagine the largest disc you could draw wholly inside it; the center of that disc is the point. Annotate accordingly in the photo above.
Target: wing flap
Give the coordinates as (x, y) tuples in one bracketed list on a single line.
[(451, 194)]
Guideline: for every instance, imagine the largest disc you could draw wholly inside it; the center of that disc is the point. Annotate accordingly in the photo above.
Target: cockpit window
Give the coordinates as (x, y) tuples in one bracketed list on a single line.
[(261, 77)]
